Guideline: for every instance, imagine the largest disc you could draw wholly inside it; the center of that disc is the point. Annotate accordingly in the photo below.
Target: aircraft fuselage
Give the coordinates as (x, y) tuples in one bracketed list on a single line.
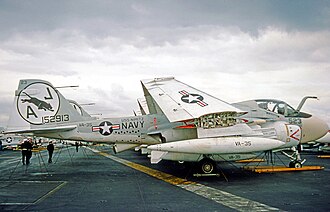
[(146, 129)]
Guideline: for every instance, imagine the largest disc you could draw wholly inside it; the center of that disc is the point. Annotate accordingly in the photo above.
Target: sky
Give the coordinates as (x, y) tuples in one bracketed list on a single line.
[(234, 50)]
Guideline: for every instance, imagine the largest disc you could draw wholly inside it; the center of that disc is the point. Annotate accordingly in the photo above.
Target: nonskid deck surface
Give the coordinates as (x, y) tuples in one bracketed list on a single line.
[(96, 179)]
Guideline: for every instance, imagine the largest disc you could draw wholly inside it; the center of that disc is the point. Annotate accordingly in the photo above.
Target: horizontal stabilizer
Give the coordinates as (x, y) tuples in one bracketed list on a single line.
[(43, 130), (156, 156)]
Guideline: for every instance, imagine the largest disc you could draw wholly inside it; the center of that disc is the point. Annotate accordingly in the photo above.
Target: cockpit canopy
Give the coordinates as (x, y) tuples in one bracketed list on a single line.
[(279, 107)]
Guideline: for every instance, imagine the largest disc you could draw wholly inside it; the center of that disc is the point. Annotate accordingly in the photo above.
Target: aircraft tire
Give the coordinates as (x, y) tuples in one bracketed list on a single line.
[(207, 166), (295, 164), (291, 164)]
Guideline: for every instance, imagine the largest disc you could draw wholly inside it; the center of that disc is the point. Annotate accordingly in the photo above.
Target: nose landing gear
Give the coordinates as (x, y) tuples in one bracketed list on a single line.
[(296, 161)]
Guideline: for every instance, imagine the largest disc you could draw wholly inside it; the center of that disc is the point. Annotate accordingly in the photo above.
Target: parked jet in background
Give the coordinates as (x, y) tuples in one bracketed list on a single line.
[(325, 141), (10, 141)]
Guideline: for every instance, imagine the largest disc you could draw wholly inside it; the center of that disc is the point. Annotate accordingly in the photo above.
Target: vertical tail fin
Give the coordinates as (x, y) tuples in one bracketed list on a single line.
[(39, 104)]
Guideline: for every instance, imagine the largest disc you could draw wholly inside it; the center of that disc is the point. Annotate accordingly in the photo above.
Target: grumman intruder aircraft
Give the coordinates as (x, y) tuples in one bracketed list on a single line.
[(183, 124), (39, 108), (224, 133)]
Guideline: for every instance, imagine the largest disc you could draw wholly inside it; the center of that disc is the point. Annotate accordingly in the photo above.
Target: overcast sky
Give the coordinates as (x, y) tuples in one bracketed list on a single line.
[(234, 50)]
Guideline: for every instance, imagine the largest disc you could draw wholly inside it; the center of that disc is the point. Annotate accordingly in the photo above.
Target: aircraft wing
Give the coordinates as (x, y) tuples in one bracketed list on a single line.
[(180, 102), (42, 130)]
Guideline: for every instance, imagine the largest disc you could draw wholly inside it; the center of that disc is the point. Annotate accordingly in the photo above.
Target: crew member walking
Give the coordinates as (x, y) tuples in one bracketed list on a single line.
[(26, 151), (50, 148), (77, 145)]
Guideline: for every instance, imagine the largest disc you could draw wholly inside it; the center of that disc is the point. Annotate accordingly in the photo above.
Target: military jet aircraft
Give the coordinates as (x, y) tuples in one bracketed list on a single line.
[(39, 108), (324, 142), (10, 141), (325, 139), (179, 114), (223, 133)]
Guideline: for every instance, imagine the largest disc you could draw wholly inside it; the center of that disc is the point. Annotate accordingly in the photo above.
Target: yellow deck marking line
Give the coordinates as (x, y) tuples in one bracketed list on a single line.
[(221, 197), (152, 172)]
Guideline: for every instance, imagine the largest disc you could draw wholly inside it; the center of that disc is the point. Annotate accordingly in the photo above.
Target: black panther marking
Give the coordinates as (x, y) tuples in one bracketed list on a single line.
[(42, 105)]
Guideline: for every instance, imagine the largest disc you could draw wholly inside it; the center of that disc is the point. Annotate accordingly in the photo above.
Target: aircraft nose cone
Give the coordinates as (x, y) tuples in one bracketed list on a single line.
[(313, 128)]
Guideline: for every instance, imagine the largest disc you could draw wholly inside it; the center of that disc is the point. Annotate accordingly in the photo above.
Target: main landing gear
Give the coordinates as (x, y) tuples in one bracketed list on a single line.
[(207, 166)]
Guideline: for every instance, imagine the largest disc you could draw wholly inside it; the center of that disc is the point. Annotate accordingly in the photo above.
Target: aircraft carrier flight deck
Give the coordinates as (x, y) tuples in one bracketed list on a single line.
[(96, 179)]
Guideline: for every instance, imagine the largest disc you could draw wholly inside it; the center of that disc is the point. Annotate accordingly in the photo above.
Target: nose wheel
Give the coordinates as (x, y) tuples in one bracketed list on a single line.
[(295, 164)]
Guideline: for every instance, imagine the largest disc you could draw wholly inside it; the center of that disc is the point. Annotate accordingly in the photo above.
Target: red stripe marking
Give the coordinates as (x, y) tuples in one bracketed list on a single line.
[(155, 123), (95, 129), (190, 126), (184, 93), (292, 136), (116, 127), (203, 104)]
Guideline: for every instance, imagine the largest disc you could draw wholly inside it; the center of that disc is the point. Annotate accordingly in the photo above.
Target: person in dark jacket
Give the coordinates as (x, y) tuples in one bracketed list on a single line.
[(77, 146), (26, 151), (50, 148)]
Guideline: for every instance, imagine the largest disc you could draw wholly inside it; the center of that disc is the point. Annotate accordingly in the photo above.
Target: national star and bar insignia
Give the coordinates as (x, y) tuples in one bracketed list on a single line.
[(105, 128), (192, 98)]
